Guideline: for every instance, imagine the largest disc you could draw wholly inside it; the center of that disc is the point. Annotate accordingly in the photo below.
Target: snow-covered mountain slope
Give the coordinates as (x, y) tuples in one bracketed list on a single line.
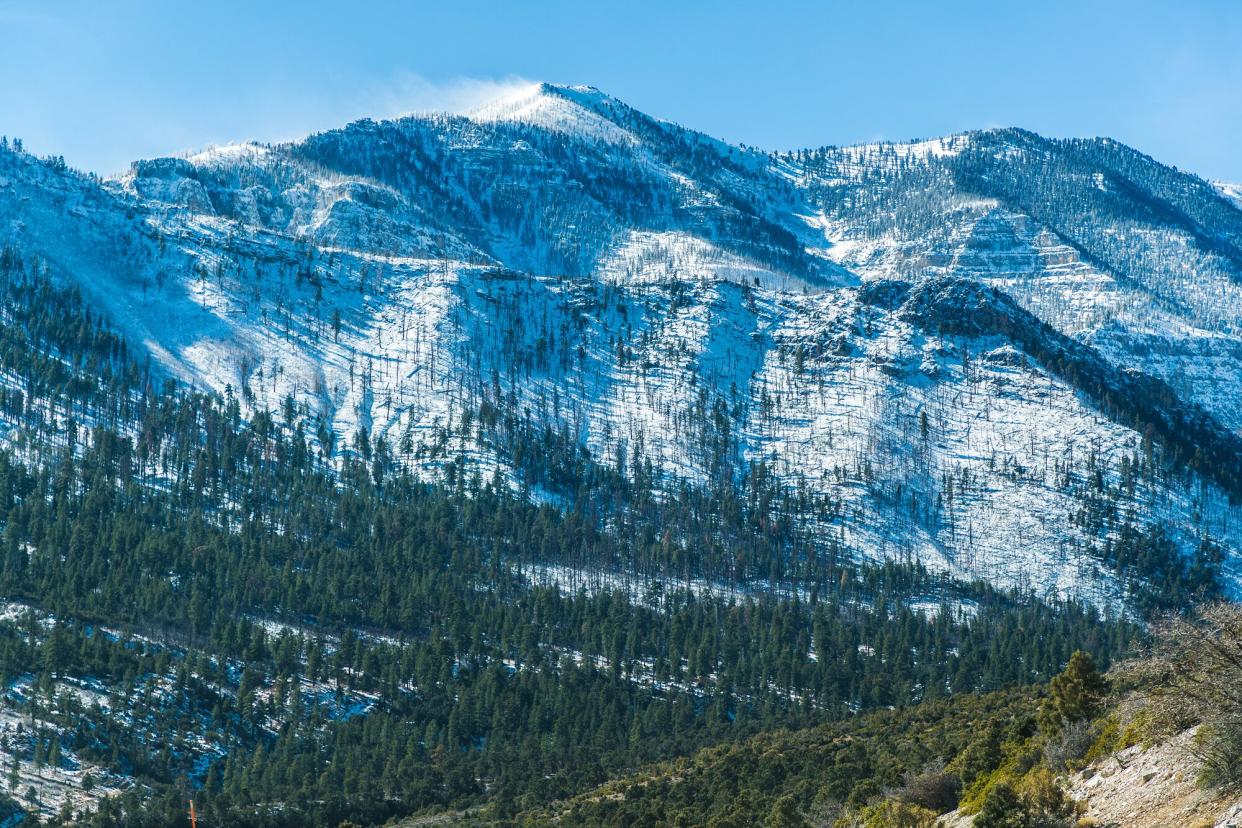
[(826, 316), (551, 183), (1232, 192), (1097, 239)]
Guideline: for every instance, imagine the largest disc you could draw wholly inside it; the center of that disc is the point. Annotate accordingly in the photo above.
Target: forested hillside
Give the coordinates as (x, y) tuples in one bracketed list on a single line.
[(203, 604), (471, 463), (1055, 756)]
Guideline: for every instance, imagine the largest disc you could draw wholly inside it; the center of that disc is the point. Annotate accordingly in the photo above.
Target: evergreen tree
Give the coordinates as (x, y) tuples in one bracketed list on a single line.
[(1074, 695)]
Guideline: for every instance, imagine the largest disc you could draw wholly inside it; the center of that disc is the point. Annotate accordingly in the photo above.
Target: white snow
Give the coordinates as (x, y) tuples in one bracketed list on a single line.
[(1232, 192)]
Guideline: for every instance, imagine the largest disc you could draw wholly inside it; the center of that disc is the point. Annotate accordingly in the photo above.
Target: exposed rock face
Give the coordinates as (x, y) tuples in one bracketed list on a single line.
[(1153, 788), (1140, 787)]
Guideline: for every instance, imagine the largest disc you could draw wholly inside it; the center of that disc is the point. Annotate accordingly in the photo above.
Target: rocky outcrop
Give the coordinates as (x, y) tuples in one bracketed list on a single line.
[(1153, 787), (1144, 787)]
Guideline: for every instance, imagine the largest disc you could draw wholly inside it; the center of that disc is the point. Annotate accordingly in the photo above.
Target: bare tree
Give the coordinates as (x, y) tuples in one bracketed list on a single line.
[(1195, 670)]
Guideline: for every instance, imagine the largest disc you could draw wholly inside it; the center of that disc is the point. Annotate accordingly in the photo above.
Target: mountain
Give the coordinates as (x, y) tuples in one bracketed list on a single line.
[(459, 462), (656, 295)]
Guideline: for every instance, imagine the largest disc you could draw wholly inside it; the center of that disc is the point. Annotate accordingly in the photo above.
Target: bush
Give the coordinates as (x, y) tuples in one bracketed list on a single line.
[(895, 814), (1219, 744), (785, 814), (1002, 809), (1036, 801), (982, 756), (1019, 758), (1072, 743), (935, 789), (1141, 730), (1045, 801)]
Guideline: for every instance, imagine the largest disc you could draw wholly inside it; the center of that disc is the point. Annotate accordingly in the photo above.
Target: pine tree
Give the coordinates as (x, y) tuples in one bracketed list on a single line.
[(1074, 695)]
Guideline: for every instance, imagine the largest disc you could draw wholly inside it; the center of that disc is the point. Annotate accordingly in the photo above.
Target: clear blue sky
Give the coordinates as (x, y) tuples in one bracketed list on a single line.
[(108, 81)]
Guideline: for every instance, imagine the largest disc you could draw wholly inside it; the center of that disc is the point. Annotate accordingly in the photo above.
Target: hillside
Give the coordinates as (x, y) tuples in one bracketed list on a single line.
[(1148, 787), (467, 465), (665, 300), (1138, 749)]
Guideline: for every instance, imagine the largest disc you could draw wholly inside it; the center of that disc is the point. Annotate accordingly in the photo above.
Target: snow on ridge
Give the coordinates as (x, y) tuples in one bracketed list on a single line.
[(509, 105), (661, 256), (1231, 192), (542, 105), (216, 153), (921, 149)]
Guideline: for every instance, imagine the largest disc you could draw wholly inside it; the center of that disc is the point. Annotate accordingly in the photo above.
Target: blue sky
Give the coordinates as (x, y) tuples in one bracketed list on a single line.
[(103, 83)]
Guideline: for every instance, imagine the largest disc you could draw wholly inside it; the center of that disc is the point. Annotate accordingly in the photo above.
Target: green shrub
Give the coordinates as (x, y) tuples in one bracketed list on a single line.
[(1002, 808), (893, 813), (785, 814), (1109, 739), (935, 789)]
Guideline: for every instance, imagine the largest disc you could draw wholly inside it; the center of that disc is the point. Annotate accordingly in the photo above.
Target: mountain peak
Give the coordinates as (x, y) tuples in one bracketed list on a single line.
[(580, 110)]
